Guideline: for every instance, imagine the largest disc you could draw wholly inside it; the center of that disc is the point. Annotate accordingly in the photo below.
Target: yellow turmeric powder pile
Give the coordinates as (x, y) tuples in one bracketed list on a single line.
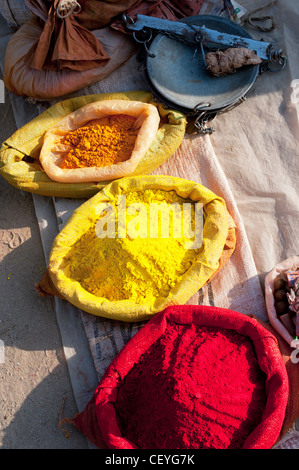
[(131, 267), (101, 142)]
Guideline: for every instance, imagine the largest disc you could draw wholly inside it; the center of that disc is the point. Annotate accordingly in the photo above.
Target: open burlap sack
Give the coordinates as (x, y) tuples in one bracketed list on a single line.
[(217, 245), (19, 155), (146, 125), (100, 421), (290, 264)]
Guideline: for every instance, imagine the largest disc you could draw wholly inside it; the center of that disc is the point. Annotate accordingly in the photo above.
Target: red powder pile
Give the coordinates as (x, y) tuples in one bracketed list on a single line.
[(196, 387)]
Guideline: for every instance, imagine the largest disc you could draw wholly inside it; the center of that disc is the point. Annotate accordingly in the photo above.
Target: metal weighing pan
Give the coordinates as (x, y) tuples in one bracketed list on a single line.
[(177, 75)]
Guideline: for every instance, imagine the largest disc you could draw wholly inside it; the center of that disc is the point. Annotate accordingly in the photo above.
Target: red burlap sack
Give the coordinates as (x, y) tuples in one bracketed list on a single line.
[(187, 362)]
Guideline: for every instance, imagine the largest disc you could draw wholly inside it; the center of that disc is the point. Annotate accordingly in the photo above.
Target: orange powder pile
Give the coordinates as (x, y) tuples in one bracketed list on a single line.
[(100, 143)]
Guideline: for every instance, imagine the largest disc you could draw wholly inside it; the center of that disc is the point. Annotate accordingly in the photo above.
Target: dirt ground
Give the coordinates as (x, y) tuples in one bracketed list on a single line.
[(35, 387)]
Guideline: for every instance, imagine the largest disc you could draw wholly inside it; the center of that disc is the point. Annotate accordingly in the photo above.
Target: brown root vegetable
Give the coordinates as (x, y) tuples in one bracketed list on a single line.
[(279, 283), (221, 63), (281, 307), (280, 294), (287, 322)]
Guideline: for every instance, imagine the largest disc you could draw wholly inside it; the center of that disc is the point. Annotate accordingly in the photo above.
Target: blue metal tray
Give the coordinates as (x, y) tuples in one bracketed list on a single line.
[(178, 77)]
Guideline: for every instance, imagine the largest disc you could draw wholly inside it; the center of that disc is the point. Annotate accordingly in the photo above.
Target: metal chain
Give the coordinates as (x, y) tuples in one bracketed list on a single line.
[(276, 62), (201, 128)]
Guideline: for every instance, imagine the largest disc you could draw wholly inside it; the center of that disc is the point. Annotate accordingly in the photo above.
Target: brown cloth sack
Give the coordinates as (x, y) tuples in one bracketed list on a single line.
[(98, 13), (22, 79), (66, 45), (92, 14), (166, 9)]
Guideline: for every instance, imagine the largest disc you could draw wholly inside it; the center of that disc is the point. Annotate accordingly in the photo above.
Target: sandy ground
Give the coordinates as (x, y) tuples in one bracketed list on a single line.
[(34, 379)]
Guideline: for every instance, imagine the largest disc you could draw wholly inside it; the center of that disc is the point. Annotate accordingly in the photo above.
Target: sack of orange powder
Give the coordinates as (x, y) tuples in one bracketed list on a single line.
[(19, 155), (101, 141)]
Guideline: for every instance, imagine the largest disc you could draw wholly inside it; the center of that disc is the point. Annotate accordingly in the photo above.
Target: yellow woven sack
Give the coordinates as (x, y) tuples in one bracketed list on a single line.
[(19, 155), (132, 273)]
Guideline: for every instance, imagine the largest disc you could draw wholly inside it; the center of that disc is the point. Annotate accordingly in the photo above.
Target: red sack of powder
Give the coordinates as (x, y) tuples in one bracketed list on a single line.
[(192, 377)]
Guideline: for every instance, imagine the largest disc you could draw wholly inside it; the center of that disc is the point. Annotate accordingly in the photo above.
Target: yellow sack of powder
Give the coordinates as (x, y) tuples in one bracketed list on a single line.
[(19, 155), (118, 268)]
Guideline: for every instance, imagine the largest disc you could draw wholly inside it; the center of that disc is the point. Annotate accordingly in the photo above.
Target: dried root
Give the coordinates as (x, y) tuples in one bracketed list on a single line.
[(221, 63)]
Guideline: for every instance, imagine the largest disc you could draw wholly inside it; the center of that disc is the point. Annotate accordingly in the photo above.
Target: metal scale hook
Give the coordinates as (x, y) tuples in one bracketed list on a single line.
[(145, 35)]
